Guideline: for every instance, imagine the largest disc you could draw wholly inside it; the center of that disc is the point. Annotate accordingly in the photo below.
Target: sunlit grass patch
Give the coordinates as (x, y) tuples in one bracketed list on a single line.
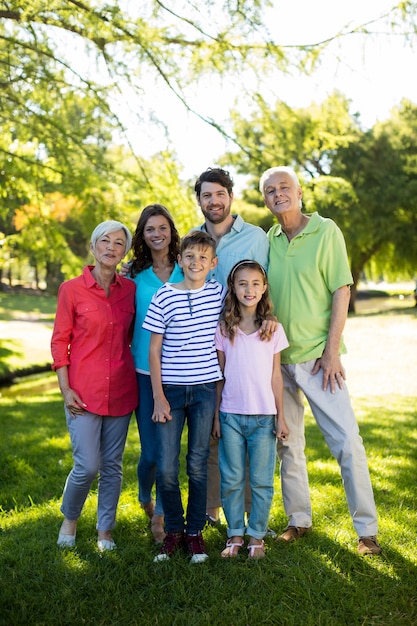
[(317, 580)]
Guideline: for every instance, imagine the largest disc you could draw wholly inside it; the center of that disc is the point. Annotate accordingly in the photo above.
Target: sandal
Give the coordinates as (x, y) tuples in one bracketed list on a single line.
[(232, 549), (252, 547)]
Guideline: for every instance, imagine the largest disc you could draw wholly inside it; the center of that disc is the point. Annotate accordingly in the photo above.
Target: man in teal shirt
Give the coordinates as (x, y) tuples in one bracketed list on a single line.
[(309, 279), (236, 240)]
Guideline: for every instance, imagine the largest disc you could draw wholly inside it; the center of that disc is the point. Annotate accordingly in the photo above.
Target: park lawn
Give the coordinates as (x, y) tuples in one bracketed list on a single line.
[(27, 306), (26, 322), (318, 580)]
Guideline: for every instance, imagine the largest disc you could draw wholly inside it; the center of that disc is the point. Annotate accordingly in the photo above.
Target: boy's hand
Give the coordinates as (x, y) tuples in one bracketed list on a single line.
[(161, 411), (269, 326)]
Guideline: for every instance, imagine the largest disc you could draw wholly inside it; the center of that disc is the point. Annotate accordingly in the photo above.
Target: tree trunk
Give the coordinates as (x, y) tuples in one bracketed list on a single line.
[(353, 291), (35, 267), (54, 277)]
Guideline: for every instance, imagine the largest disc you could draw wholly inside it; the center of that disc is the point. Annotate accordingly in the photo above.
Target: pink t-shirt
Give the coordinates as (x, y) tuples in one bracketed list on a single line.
[(248, 371)]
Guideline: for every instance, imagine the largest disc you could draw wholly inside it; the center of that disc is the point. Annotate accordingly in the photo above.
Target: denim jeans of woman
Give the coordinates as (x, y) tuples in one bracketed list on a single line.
[(147, 434), (251, 435), (195, 405)]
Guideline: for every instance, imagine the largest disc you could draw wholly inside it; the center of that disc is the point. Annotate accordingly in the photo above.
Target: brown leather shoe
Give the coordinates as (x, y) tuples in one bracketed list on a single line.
[(367, 546), (292, 533)]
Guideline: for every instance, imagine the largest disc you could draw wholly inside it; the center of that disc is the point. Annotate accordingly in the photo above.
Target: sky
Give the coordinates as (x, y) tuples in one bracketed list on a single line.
[(375, 73)]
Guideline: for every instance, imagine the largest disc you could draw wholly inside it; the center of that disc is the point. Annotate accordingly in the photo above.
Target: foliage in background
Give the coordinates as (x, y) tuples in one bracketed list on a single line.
[(68, 69), (365, 180)]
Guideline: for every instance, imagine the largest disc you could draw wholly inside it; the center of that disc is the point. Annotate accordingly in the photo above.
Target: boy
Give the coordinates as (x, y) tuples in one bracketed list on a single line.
[(182, 318)]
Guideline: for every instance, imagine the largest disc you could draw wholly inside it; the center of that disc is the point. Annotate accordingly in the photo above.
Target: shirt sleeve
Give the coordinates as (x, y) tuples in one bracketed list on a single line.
[(219, 339), (154, 320), (62, 333), (336, 270), (280, 339)]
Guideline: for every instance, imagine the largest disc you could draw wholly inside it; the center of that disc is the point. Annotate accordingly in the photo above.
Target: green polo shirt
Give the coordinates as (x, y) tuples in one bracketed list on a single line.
[(303, 274)]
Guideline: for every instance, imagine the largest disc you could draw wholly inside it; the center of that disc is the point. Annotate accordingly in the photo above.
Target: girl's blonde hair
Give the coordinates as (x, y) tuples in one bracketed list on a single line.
[(231, 310)]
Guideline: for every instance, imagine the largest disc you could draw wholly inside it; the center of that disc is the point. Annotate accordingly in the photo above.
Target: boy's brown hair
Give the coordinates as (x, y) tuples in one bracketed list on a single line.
[(198, 238)]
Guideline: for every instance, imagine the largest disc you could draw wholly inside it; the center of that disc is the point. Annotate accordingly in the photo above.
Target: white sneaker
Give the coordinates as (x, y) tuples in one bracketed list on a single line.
[(66, 541), (105, 545)]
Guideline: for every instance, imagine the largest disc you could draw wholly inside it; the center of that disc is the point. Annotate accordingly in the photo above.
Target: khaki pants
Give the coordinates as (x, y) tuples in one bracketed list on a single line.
[(336, 420)]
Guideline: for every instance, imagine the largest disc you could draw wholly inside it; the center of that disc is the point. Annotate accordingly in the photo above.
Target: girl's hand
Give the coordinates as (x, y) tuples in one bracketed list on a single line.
[(161, 411), (281, 429), (216, 430), (269, 326)]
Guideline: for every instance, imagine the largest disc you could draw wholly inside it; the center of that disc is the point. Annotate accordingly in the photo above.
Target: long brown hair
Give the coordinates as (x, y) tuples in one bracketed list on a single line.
[(231, 310), (142, 255)]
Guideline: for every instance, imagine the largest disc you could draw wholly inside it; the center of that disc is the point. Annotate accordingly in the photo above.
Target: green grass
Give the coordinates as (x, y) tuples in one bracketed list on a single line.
[(20, 347), (27, 306), (319, 580)]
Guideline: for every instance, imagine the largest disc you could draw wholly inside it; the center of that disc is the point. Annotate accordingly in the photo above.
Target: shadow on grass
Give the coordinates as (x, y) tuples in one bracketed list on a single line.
[(318, 580), (389, 432), (394, 311), (9, 349), (314, 581)]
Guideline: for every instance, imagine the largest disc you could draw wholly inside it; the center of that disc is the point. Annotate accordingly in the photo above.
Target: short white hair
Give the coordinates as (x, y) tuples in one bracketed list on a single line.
[(110, 226), (275, 170)]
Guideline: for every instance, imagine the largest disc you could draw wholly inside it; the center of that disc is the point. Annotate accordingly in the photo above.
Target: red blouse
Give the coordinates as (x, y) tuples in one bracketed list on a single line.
[(92, 335)]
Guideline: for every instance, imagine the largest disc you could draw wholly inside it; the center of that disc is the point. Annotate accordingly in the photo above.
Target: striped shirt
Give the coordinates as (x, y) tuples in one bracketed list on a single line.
[(188, 321)]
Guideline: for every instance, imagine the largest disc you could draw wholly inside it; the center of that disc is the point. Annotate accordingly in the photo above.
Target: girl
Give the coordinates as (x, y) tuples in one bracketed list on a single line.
[(155, 248), (250, 403)]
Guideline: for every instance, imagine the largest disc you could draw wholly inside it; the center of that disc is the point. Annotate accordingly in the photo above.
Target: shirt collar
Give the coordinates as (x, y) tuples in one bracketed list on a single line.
[(311, 226), (237, 225), (90, 281)]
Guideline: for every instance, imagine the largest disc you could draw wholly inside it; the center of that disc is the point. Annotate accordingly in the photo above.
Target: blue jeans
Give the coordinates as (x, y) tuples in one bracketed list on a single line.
[(98, 443), (250, 435), (147, 434), (196, 404)]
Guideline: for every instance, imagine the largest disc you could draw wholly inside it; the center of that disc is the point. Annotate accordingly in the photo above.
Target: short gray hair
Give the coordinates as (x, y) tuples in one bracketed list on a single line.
[(276, 170), (110, 226)]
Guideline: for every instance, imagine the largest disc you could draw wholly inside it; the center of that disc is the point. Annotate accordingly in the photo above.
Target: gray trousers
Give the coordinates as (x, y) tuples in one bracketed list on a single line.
[(98, 443)]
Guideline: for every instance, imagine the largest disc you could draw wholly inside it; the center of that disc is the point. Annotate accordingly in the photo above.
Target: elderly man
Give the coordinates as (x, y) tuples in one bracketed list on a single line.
[(309, 280)]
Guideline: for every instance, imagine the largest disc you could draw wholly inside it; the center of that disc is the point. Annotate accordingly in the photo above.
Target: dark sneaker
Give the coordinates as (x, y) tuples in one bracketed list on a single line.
[(197, 549), (212, 521), (292, 533), (368, 546), (172, 543)]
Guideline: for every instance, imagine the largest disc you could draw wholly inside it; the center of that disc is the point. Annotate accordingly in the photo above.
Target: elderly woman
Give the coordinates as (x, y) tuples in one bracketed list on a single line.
[(96, 374)]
